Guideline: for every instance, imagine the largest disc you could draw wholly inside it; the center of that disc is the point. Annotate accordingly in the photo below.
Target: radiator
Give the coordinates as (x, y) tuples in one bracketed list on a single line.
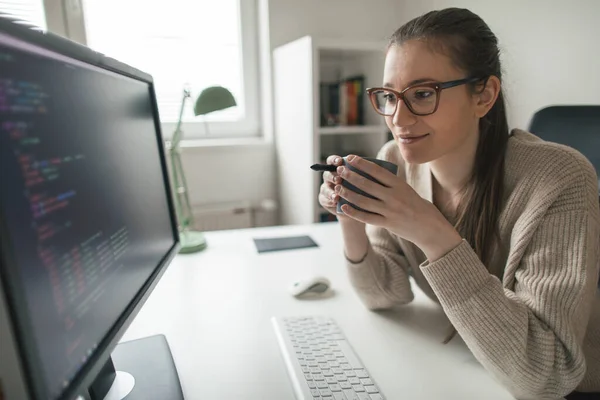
[(214, 217)]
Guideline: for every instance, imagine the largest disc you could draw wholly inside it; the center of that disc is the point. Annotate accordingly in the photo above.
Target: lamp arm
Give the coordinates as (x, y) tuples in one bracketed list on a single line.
[(182, 201), (177, 133)]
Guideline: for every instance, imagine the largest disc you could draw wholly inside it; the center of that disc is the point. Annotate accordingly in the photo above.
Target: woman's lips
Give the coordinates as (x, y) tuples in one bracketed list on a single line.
[(412, 139)]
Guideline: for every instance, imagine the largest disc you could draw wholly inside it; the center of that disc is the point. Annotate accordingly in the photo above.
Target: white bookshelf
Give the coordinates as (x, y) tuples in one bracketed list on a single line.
[(298, 68), (351, 130)]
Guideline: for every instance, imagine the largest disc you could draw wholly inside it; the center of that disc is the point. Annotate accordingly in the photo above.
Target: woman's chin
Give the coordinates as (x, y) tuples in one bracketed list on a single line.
[(414, 156)]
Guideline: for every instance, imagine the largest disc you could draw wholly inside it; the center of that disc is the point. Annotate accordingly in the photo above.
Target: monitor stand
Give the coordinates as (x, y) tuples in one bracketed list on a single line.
[(140, 369)]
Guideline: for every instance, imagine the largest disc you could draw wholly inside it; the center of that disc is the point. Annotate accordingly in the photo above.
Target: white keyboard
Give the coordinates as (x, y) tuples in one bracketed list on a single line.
[(320, 362)]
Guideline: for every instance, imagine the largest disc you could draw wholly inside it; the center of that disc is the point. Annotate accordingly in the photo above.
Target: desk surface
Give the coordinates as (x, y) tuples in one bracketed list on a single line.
[(215, 307)]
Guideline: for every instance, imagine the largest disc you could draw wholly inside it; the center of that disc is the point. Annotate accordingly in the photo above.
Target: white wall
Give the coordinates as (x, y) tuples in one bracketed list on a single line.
[(229, 173), (364, 20), (550, 49)]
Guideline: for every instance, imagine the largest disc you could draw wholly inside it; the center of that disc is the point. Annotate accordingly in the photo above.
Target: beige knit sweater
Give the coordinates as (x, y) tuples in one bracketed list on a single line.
[(538, 330)]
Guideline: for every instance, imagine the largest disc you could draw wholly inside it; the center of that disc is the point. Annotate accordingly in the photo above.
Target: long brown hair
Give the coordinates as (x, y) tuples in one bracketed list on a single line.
[(473, 48)]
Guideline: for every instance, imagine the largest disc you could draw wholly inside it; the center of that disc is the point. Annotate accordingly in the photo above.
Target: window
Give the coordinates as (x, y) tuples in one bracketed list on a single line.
[(198, 43), (29, 11)]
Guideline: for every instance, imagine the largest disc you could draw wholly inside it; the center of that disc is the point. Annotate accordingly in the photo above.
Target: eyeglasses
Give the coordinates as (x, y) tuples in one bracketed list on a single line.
[(421, 99)]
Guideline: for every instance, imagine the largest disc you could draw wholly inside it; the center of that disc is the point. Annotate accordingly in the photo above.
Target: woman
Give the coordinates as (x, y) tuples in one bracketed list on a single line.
[(502, 229)]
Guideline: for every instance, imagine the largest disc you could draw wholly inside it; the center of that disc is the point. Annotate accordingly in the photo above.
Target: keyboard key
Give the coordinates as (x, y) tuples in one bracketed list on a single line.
[(364, 396), (376, 396), (318, 377), (335, 388), (361, 373), (333, 364), (331, 380), (315, 370), (371, 389), (305, 370), (358, 388), (315, 392), (308, 377), (311, 385), (350, 374), (337, 371), (326, 392), (351, 395), (354, 381), (366, 382), (346, 367), (345, 385), (339, 396), (341, 378), (328, 373), (322, 385)]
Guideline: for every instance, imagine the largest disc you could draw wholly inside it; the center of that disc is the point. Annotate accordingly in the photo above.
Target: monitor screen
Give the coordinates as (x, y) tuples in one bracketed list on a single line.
[(83, 199)]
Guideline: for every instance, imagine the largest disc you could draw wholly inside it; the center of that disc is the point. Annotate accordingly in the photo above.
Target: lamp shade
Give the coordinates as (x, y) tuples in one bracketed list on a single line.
[(214, 98)]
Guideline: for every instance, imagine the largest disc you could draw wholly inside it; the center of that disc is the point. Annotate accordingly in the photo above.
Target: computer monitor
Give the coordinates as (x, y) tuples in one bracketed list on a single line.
[(86, 219)]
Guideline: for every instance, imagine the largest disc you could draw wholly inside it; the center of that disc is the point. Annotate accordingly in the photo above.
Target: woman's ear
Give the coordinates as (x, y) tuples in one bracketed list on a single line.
[(486, 97)]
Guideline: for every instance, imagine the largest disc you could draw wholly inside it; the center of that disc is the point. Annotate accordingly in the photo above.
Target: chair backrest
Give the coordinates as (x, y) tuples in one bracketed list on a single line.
[(574, 126)]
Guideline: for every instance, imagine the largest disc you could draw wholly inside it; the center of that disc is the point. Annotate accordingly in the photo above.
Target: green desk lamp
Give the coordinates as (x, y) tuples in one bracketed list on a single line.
[(211, 99)]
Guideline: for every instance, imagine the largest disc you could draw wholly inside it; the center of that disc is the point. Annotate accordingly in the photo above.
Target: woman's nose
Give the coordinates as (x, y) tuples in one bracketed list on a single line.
[(403, 116)]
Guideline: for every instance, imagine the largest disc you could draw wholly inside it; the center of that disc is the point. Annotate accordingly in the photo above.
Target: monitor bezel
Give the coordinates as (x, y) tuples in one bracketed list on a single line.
[(25, 342)]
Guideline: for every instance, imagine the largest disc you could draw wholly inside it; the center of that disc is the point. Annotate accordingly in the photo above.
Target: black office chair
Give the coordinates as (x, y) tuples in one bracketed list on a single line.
[(574, 126)]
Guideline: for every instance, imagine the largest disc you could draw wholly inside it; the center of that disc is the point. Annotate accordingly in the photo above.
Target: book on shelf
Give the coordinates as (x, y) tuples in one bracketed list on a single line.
[(342, 103)]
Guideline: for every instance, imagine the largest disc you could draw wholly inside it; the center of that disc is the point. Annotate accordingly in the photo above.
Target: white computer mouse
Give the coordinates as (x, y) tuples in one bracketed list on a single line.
[(311, 285)]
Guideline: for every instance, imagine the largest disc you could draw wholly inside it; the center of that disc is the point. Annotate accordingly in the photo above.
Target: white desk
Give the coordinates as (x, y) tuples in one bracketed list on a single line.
[(215, 307)]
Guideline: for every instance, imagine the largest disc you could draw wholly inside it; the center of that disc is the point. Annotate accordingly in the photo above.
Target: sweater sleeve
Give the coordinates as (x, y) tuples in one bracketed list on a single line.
[(529, 337), (381, 279)]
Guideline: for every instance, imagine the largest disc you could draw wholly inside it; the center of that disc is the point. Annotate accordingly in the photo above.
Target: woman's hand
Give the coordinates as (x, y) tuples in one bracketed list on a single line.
[(396, 207), (328, 198)]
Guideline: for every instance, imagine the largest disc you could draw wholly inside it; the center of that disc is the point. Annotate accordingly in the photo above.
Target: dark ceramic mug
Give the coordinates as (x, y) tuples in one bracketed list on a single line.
[(393, 168)]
